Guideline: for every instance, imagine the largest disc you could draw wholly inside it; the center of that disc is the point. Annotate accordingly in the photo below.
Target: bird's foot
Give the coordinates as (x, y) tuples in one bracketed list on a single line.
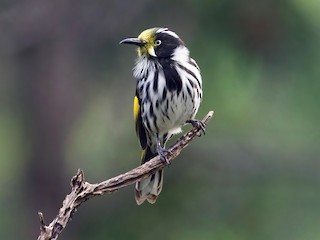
[(198, 124), (163, 154)]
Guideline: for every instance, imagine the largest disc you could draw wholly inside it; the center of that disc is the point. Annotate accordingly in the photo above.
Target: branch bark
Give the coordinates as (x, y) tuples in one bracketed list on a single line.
[(82, 190)]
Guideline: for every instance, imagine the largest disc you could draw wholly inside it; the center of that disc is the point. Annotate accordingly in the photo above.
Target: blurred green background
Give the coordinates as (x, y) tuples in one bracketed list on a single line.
[(65, 103)]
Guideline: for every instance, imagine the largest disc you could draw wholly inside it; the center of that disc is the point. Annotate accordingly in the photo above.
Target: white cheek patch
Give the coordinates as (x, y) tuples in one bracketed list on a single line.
[(151, 52)]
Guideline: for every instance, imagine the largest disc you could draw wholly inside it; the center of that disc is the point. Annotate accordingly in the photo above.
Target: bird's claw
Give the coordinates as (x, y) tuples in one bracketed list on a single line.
[(198, 124), (163, 154)]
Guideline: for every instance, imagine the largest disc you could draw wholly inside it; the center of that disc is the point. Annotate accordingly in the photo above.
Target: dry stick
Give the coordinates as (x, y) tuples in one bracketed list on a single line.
[(82, 190)]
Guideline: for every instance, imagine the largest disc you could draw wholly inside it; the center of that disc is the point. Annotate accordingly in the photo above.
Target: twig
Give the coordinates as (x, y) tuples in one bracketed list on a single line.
[(82, 190)]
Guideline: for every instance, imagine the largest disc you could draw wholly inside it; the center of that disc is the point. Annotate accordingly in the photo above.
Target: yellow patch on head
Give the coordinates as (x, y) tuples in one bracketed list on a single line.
[(136, 108), (148, 37), (148, 34)]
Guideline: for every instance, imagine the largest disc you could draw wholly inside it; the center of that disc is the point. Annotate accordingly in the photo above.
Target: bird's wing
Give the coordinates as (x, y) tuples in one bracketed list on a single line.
[(140, 130)]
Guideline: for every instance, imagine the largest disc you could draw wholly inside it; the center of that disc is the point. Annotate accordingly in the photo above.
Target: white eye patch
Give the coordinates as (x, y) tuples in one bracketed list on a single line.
[(157, 42), (167, 31)]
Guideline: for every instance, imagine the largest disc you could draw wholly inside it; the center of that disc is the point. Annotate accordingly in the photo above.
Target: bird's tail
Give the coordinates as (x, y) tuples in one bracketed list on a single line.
[(150, 187)]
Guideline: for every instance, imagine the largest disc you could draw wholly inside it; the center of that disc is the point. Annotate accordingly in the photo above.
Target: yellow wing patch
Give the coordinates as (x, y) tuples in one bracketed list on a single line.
[(141, 133), (143, 154), (136, 108)]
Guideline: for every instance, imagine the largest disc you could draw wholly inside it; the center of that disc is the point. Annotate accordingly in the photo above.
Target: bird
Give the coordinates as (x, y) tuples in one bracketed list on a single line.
[(167, 97)]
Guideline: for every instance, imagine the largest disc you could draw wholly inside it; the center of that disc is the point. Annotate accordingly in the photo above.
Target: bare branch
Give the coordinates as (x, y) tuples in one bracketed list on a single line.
[(82, 190)]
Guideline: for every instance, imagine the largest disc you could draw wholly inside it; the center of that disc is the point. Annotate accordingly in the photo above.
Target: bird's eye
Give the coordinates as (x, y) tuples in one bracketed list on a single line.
[(157, 42)]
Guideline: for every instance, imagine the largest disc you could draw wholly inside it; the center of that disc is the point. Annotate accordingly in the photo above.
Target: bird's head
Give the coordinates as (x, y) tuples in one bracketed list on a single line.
[(155, 42)]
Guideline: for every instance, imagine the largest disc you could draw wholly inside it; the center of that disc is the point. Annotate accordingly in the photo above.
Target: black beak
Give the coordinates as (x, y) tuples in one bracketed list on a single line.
[(133, 41)]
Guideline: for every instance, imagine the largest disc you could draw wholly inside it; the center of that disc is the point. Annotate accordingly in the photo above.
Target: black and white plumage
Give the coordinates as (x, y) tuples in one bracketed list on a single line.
[(168, 95)]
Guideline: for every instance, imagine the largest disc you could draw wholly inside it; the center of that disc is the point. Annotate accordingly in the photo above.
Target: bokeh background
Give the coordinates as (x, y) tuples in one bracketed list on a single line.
[(65, 103)]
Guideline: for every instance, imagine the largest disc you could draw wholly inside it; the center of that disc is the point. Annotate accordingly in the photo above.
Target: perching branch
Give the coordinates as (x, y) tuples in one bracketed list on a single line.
[(82, 190)]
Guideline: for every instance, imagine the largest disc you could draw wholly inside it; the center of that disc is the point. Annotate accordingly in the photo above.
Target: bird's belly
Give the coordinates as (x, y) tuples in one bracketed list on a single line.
[(174, 112)]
